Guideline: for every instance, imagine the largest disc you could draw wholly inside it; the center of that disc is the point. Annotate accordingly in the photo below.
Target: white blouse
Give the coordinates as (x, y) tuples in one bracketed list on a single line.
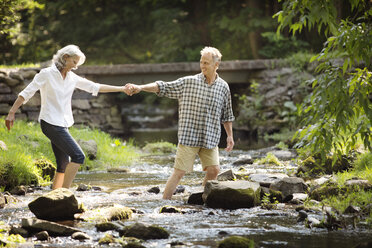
[(56, 94)]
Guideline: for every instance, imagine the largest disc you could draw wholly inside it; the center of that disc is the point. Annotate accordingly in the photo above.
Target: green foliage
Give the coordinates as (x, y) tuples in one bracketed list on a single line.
[(269, 159), (27, 144), (338, 113), (279, 46), (160, 148), (268, 201), (363, 162)]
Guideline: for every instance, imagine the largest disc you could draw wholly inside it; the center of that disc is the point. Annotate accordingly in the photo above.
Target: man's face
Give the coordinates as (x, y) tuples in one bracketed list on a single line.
[(207, 65)]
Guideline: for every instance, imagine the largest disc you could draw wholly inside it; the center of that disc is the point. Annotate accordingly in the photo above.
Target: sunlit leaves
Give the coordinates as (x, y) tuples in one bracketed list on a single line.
[(338, 113)]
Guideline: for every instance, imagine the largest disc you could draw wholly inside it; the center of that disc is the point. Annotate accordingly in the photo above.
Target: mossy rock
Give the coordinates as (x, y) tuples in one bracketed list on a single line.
[(236, 242), (48, 169), (170, 209), (315, 166), (324, 191), (107, 239)]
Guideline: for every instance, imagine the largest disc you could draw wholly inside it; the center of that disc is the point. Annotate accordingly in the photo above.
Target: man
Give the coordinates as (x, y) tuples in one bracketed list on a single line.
[(204, 103)]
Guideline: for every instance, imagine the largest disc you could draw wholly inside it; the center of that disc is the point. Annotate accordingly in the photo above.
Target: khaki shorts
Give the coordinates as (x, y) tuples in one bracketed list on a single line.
[(185, 157)]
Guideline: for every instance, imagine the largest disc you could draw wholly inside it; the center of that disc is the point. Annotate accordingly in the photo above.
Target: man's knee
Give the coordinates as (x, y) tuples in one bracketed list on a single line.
[(212, 171)]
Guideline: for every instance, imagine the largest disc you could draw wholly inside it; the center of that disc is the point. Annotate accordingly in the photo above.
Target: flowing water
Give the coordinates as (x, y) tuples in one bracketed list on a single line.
[(199, 226)]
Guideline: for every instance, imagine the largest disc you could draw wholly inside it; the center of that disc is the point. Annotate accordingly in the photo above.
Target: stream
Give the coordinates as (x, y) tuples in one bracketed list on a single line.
[(199, 226)]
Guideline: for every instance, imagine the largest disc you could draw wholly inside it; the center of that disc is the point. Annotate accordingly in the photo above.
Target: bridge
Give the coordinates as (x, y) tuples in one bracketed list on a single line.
[(233, 72)]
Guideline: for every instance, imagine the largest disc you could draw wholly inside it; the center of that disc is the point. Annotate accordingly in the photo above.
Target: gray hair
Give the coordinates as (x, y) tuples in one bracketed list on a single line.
[(216, 54), (70, 50)]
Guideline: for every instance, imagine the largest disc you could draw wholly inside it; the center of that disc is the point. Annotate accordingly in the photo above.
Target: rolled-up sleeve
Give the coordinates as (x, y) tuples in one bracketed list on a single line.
[(35, 85), (172, 89), (227, 112), (87, 85)]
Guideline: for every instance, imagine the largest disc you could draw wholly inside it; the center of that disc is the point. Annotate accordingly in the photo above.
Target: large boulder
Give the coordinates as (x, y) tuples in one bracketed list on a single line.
[(59, 204), (89, 147), (289, 185), (231, 194)]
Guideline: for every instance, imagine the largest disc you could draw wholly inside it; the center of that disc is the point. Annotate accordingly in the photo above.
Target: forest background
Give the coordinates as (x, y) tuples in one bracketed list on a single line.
[(149, 31), (336, 115)]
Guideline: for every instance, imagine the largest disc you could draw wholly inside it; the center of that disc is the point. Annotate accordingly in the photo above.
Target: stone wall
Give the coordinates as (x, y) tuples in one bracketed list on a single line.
[(276, 85), (97, 112)]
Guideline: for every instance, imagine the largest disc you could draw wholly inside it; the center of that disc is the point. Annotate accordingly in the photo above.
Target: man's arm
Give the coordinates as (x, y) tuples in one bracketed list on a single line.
[(134, 89), (230, 139)]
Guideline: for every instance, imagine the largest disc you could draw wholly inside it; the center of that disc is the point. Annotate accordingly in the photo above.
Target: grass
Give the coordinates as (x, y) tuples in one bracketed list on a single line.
[(362, 170), (26, 65), (26, 143)]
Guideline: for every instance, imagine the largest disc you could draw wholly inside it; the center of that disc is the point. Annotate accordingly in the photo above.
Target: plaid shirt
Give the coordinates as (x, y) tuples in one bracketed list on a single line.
[(202, 108)]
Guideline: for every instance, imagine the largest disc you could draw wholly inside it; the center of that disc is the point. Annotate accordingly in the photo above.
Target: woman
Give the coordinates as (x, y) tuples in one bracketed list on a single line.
[(56, 84)]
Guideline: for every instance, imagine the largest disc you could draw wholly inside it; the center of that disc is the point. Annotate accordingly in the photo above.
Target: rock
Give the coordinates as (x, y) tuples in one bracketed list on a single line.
[(19, 190), (80, 104), (243, 159), (289, 185), (231, 194), (80, 236), (265, 180), (352, 210), (27, 74), (226, 176), (43, 235), (285, 155), (117, 170), (83, 187), (107, 226), (312, 222), (16, 75), (302, 215), (5, 89), (54, 229), (107, 239), (116, 212), (59, 204), (236, 242), (298, 198), (141, 231), (170, 209), (155, 190), (10, 81), (3, 146), (19, 230), (196, 199), (89, 147), (179, 190), (358, 184), (2, 200)]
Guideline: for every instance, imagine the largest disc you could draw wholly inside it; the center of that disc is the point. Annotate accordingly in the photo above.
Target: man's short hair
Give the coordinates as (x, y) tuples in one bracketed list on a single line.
[(216, 54)]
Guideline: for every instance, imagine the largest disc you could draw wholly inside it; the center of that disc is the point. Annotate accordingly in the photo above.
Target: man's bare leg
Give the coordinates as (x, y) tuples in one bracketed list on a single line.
[(211, 173), (70, 173), (58, 180), (172, 183)]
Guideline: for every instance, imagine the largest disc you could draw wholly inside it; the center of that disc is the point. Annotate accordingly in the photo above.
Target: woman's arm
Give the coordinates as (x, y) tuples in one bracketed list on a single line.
[(104, 88), (134, 89), (9, 120)]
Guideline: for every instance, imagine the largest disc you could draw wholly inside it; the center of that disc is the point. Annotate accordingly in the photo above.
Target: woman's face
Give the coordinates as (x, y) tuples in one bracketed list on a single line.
[(71, 62)]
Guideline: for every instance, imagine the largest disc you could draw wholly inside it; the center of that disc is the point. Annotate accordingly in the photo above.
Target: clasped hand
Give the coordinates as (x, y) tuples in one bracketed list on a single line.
[(131, 89)]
